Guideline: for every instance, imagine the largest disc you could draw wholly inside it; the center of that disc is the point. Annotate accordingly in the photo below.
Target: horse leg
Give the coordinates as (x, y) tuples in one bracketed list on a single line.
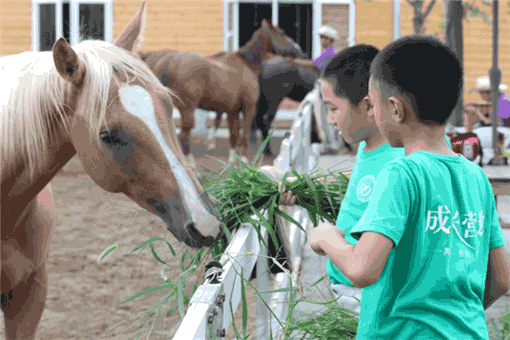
[(257, 122), (24, 281), (188, 123), (248, 117), (233, 126), (24, 304), (265, 122), (211, 139), (252, 132)]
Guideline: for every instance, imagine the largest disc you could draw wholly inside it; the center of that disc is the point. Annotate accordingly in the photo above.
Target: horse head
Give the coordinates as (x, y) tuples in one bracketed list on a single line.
[(118, 124), (294, 50), (280, 43)]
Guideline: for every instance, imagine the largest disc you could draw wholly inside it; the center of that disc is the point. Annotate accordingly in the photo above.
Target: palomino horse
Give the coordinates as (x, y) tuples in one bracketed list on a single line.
[(225, 82), (99, 101)]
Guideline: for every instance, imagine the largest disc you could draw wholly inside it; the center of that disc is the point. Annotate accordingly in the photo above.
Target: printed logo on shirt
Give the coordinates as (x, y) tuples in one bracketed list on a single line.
[(365, 188), (470, 227)]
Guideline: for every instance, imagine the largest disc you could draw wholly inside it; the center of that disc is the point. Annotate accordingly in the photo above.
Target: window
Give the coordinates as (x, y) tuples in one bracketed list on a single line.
[(74, 20)]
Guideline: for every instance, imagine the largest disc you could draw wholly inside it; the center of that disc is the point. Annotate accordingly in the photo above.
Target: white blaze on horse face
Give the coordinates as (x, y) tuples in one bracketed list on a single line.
[(138, 101)]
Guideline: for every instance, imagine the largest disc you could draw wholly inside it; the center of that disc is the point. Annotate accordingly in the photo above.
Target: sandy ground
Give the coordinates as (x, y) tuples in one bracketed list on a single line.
[(84, 297)]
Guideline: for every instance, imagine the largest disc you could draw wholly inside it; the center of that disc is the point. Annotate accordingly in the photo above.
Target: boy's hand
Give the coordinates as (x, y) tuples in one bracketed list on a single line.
[(324, 232), (287, 197)]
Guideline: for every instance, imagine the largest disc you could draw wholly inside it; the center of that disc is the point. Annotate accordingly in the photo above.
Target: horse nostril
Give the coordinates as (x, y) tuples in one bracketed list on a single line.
[(190, 227), (197, 236)]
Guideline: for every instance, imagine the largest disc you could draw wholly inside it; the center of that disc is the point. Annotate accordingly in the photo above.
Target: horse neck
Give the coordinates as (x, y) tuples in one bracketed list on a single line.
[(20, 187), (255, 52)]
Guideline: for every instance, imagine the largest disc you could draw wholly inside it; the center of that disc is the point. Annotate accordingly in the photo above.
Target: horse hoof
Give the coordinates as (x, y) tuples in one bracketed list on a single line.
[(245, 160)]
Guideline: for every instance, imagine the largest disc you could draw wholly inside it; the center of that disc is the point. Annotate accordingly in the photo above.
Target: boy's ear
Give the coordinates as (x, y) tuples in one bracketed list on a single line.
[(399, 110), (367, 108)]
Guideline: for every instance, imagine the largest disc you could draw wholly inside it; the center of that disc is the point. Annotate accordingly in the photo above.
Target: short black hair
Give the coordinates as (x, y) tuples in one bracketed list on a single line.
[(349, 72), (422, 70)]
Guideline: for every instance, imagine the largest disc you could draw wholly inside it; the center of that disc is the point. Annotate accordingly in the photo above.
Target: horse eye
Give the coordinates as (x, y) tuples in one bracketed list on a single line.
[(108, 138)]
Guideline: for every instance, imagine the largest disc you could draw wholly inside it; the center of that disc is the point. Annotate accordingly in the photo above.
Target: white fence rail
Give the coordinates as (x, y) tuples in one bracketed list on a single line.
[(210, 315)]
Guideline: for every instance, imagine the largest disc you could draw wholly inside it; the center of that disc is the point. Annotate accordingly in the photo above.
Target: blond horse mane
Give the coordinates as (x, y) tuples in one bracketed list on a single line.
[(33, 92)]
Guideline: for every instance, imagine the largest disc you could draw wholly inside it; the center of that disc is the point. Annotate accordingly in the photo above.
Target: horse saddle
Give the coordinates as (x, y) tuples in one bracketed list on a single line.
[(467, 144)]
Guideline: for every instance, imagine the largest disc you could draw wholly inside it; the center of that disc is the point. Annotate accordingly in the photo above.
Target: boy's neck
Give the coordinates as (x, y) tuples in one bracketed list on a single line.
[(374, 142), (426, 139)]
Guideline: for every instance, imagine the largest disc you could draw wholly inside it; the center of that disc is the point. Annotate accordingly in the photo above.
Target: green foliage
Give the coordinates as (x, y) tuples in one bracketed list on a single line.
[(334, 324)]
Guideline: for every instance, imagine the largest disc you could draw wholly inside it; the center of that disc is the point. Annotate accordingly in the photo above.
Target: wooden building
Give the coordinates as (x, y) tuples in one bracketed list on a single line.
[(209, 26)]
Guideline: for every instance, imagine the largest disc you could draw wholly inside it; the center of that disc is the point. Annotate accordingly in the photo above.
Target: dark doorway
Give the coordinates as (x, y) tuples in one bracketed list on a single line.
[(296, 21), (250, 19)]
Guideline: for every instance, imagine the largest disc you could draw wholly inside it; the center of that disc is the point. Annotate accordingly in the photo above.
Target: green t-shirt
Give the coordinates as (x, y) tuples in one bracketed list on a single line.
[(359, 190), (440, 213)]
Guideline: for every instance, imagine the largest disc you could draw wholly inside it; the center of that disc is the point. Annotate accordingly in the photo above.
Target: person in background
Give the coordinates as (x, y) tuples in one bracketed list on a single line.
[(328, 36), (479, 114)]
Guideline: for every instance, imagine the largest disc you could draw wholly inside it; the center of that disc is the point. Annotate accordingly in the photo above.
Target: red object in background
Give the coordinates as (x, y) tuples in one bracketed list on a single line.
[(467, 144)]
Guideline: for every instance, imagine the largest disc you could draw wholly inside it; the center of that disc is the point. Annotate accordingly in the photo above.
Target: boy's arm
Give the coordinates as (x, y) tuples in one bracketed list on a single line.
[(497, 282), (361, 264)]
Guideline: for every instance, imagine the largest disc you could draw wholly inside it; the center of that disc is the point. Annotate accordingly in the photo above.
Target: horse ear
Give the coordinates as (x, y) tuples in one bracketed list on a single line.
[(265, 23), (132, 36), (67, 62)]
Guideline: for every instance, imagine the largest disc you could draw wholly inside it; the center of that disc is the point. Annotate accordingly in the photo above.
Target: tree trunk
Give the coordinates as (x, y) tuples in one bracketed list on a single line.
[(419, 16), (455, 40)]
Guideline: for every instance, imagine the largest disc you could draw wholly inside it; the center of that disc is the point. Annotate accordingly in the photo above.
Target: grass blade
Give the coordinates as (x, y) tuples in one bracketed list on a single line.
[(148, 291), (107, 252), (156, 255), (261, 148)]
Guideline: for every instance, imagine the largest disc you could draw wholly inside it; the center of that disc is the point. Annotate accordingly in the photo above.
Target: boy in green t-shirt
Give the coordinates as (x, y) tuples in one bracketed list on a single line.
[(430, 255), (344, 86)]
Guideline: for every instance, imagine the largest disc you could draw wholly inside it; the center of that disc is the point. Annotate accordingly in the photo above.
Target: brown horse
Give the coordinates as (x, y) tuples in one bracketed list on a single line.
[(224, 82), (99, 101)]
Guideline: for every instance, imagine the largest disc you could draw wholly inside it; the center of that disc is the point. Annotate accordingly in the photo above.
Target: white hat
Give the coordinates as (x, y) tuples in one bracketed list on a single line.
[(329, 32), (484, 84)]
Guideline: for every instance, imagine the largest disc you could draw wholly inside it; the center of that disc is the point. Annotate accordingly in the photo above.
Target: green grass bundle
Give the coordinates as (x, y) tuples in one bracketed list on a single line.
[(247, 192), (250, 189)]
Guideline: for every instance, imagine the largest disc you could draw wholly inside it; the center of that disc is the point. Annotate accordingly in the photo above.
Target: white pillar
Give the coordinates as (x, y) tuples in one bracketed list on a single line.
[(74, 18), (226, 30), (396, 19), (108, 21), (274, 18), (35, 26), (317, 23), (59, 20), (352, 23), (235, 28)]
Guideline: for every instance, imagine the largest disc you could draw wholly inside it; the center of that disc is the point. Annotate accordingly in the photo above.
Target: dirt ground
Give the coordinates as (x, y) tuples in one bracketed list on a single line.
[(84, 297)]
